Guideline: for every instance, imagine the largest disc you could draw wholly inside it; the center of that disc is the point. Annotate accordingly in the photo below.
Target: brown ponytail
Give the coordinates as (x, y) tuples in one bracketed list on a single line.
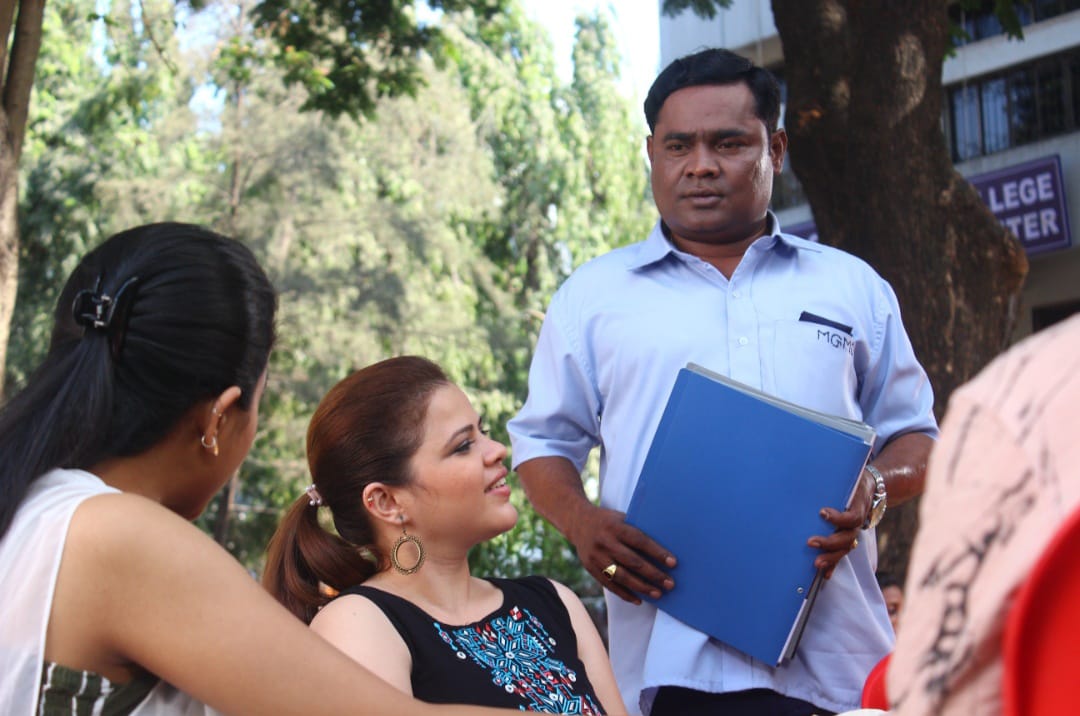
[(366, 429), (303, 557)]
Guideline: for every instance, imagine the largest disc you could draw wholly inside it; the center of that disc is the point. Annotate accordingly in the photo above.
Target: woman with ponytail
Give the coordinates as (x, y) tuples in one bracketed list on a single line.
[(412, 482), (112, 602)]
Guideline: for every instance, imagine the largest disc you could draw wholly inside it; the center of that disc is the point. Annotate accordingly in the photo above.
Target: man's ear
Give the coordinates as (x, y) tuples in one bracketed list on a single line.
[(778, 149)]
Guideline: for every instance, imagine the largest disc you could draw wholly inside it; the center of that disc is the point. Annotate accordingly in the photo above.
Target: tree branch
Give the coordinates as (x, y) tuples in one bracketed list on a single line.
[(20, 75), (149, 25), (7, 14)]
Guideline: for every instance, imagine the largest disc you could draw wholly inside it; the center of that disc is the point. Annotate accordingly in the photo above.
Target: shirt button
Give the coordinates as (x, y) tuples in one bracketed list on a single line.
[(743, 341), (736, 294)]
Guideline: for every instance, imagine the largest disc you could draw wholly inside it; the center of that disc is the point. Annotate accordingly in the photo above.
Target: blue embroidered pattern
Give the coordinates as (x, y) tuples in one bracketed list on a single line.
[(517, 651)]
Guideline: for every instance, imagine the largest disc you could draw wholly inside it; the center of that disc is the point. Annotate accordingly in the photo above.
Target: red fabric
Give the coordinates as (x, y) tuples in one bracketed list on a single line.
[(1040, 657), (873, 694)]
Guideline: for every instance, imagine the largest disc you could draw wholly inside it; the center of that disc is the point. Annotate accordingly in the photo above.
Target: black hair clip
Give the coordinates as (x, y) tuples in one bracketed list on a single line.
[(95, 309)]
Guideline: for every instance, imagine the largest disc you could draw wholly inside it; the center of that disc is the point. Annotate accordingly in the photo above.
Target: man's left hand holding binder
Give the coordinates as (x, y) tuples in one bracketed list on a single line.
[(903, 461), (848, 524)]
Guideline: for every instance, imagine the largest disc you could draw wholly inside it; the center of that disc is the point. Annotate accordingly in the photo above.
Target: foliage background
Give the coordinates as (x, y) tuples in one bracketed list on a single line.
[(436, 222)]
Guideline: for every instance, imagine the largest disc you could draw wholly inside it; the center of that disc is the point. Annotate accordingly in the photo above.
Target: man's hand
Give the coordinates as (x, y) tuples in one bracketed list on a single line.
[(602, 538), (620, 557), (848, 525), (903, 464)]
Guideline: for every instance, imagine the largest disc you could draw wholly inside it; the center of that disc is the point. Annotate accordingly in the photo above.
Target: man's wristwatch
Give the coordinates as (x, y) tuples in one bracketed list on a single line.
[(880, 500)]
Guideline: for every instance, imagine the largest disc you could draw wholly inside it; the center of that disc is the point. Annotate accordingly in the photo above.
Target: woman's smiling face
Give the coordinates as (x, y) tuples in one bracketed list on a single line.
[(459, 486)]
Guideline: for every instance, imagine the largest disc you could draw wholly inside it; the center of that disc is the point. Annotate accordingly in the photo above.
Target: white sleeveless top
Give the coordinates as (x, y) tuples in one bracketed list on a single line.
[(30, 555)]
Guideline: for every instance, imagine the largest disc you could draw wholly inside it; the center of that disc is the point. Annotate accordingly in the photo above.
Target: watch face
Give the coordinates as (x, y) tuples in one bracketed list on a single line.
[(877, 510)]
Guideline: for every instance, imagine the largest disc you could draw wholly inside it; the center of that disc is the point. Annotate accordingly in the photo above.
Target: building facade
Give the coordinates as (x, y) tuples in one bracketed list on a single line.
[(1011, 118)]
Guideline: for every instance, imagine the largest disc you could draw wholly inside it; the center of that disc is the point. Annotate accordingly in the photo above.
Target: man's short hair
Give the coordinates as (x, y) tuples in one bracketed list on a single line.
[(716, 66)]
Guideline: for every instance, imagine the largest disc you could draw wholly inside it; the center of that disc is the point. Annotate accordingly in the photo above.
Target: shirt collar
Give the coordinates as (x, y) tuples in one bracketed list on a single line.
[(656, 247)]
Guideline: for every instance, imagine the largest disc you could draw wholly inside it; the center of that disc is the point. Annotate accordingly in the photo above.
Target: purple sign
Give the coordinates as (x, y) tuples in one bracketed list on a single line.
[(1029, 199)]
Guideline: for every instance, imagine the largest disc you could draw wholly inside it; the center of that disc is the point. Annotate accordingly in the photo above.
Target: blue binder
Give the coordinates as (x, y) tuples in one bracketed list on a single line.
[(733, 484)]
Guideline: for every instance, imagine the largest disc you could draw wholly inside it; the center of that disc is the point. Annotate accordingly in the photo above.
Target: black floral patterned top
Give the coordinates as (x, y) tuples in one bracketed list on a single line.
[(522, 655)]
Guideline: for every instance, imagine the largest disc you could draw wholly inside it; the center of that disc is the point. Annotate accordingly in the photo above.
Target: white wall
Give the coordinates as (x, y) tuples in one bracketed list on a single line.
[(995, 53), (746, 27)]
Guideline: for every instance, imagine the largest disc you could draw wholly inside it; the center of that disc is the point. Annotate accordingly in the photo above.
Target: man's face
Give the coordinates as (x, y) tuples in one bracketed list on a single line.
[(713, 162)]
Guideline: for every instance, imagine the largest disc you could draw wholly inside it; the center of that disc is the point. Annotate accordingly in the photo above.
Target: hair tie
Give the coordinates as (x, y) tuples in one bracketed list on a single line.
[(97, 310), (314, 498)]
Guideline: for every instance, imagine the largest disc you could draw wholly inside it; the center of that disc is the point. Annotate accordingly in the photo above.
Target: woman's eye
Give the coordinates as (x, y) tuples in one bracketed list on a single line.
[(464, 447)]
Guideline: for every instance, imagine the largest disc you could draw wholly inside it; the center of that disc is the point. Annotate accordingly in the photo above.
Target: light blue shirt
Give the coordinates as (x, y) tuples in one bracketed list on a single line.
[(614, 337)]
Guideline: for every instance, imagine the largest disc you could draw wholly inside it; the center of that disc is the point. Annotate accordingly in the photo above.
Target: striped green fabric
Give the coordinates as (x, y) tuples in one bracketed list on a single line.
[(69, 692)]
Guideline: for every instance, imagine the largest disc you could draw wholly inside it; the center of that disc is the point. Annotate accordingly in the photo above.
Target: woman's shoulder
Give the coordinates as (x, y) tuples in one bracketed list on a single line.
[(357, 603), (91, 509), (134, 523), (355, 607), (143, 547), (59, 490)]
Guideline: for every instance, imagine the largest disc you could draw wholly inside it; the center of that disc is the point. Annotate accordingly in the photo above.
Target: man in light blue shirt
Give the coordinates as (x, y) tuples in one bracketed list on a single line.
[(718, 284)]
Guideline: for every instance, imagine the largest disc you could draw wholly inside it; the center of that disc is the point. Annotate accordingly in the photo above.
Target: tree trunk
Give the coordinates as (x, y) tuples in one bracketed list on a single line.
[(9, 239), (864, 118), (17, 68)]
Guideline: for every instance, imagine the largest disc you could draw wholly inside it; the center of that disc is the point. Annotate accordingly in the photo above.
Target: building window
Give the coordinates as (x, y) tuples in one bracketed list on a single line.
[(966, 131), (1017, 106), (1044, 316), (1072, 86), (1050, 86), (979, 24)]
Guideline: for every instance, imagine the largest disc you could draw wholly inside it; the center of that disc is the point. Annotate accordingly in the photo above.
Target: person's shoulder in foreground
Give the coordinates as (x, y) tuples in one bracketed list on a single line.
[(1001, 480)]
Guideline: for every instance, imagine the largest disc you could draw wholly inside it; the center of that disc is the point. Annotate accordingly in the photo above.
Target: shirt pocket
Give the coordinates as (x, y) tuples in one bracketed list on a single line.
[(814, 366)]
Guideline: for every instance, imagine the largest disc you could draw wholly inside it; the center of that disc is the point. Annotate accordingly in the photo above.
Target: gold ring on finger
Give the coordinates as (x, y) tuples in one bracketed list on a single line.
[(609, 571)]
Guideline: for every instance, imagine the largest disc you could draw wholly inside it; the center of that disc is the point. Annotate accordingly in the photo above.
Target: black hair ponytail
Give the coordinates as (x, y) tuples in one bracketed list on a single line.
[(152, 321)]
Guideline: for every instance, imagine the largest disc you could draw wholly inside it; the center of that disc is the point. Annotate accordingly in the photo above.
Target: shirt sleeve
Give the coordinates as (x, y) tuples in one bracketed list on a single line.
[(896, 396), (561, 416)]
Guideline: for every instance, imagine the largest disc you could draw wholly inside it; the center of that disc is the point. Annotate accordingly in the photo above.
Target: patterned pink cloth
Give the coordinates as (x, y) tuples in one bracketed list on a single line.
[(1004, 475)]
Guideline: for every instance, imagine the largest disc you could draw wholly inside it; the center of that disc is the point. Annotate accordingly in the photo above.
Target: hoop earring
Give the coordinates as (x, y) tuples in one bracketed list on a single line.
[(406, 537), (212, 445)]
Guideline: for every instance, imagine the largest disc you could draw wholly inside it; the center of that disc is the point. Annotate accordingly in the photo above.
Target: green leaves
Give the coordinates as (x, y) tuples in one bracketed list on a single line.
[(438, 225), (703, 8), (347, 54)]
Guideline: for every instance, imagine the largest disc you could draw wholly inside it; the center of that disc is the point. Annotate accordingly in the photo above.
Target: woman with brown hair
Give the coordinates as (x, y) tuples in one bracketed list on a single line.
[(146, 403), (404, 465)]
